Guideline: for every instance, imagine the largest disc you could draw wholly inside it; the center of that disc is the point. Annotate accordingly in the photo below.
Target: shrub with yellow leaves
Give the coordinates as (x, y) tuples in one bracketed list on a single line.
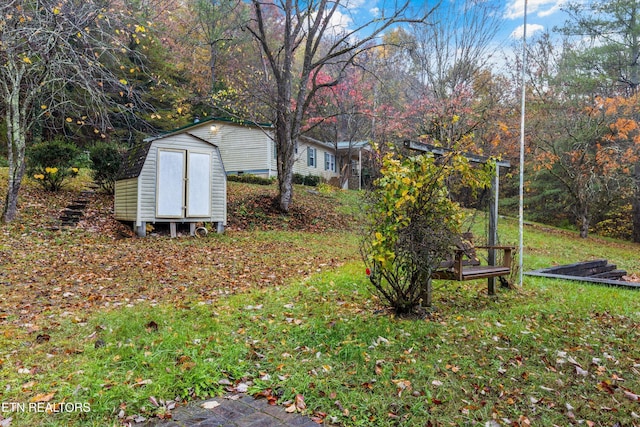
[(413, 223), (51, 163)]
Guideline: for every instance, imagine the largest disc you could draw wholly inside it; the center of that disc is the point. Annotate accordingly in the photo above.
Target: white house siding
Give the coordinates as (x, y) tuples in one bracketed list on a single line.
[(243, 149), (274, 158), (302, 167), (126, 199)]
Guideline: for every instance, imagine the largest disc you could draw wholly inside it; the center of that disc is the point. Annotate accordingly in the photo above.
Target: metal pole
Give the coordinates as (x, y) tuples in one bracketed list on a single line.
[(493, 227), (522, 119), (360, 169)]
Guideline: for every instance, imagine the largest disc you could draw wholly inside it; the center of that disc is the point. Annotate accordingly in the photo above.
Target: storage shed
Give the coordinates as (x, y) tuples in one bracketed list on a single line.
[(173, 178)]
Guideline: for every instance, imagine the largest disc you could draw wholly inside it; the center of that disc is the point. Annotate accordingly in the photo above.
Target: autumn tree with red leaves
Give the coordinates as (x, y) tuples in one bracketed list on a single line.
[(307, 44)]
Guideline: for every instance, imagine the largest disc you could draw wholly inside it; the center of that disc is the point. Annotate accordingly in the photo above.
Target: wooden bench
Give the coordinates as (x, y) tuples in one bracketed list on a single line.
[(465, 265)]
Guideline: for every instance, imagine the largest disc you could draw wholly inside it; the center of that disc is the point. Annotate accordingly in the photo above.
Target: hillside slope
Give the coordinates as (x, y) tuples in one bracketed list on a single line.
[(249, 207)]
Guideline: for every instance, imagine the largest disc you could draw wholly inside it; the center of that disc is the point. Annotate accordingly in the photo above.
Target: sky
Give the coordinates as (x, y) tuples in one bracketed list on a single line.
[(542, 15)]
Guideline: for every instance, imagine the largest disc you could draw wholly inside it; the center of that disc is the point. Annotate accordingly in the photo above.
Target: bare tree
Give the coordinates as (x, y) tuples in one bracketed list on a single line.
[(449, 55), (457, 44), (53, 55), (306, 42)]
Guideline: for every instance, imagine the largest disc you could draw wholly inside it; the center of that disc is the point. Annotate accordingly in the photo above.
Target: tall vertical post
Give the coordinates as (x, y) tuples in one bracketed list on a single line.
[(360, 169), (492, 238), (522, 128)]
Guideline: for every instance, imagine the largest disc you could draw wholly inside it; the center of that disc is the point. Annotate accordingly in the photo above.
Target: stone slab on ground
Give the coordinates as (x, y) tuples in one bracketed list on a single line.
[(244, 411)]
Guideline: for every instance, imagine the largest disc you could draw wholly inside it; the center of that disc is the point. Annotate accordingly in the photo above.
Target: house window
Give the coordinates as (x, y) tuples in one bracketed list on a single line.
[(311, 157), (329, 162)]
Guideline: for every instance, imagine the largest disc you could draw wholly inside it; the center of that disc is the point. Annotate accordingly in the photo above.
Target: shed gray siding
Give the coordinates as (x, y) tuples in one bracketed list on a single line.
[(148, 179), (136, 192), (126, 199)]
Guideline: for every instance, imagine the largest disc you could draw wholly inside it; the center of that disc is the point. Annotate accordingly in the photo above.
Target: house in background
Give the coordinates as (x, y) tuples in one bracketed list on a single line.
[(355, 160), (317, 158), (248, 148), (180, 176), (342, 164), (245, 147)]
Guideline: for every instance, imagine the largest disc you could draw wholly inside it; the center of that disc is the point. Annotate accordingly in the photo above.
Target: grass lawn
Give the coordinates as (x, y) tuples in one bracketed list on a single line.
[(103, 329)]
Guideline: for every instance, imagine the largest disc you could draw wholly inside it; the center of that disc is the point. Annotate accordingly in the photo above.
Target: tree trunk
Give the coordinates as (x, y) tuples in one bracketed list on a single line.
[(286, 158), (285, 187), (213, 51), (11, 201), (636, 204), (427, 293), (584, 225), (15, 152)]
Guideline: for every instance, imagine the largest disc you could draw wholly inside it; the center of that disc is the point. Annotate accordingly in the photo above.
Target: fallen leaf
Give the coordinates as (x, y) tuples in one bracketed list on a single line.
[(581, 372), (631, 396), (402, 385), (43, 397), (300, 402), (210, 404), (291, 408), (141, 382), (318, 417), (28, 385), (42, 338), (151, 326), (378, 368)]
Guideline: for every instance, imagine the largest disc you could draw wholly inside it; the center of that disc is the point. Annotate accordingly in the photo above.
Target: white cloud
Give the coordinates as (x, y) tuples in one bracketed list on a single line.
[(339, 23), (375, 11), (543, 8), (552, 10), (531, 30), (354, 4)]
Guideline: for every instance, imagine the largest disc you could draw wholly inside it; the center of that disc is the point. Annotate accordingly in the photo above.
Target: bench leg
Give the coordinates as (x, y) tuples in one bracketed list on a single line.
[(491, 285)]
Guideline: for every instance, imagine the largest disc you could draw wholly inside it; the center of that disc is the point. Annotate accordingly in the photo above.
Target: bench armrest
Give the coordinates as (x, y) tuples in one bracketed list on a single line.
[(497, 247), (508, 253)]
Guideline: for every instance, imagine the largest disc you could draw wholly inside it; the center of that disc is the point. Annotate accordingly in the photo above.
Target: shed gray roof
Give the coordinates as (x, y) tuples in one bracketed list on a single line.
[(134, 160)]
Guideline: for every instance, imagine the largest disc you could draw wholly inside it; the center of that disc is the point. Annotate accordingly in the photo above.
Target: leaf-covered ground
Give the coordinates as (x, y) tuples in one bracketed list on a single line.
[(100, 264), (278, 306)]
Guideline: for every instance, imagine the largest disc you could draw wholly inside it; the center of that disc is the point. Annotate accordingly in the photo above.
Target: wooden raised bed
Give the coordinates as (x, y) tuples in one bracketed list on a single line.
[(597, 271)]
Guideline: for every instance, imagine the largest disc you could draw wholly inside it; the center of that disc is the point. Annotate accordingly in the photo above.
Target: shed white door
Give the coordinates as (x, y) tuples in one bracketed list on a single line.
[(198, 184), (183, 176), (171, 183)]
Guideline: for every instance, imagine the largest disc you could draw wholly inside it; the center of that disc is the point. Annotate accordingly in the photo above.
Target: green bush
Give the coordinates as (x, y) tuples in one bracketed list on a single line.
[(310, 180), (250, 179), (50, 163), (106, 162)]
